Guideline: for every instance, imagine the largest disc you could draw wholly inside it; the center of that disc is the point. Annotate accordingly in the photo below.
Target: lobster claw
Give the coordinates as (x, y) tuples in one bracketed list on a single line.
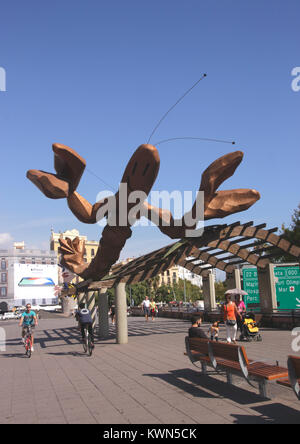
[(50, 184), (229, 202), (69, 167)]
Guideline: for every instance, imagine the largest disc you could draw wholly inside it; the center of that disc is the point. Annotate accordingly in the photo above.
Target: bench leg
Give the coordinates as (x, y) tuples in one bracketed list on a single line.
[(263, 388), (229, 378), (204, 367)]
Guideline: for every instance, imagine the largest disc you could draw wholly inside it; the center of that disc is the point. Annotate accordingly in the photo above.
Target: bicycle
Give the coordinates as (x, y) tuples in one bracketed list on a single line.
[(28, 341), (87, 343)]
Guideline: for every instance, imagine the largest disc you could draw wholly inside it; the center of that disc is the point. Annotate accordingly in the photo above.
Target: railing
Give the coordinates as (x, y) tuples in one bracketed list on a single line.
[(278, 318)]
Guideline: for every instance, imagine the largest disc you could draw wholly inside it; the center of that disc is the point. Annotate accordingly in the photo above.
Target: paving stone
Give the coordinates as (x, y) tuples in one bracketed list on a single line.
[(147, 381)]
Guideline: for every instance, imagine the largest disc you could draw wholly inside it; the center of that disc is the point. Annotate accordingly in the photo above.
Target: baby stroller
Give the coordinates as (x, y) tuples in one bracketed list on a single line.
[(250, 330)]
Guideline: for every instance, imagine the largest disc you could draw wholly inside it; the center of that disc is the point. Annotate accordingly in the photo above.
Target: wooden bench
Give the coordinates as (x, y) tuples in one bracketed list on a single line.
[(233, 359), (293, 381), (197, 350)]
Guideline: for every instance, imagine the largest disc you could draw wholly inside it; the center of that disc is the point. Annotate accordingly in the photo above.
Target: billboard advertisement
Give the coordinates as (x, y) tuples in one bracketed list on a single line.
[(35, 282)]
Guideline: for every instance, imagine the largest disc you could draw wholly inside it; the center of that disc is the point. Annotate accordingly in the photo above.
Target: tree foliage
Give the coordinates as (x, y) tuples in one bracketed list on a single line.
[(164, 293), (292, 234), (220, 289)]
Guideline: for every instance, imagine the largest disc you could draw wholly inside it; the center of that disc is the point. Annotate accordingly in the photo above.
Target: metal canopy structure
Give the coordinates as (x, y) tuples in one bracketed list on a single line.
[(220, 246)]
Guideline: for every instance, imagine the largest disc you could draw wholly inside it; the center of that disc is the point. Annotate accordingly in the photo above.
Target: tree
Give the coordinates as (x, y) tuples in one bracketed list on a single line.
[(220, 289), (292, 234), (164, 294), (138, 292), (193, 292)]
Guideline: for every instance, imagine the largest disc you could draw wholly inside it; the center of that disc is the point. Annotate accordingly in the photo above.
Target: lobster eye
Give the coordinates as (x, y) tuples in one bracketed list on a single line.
[(134, 168), (146, 169)]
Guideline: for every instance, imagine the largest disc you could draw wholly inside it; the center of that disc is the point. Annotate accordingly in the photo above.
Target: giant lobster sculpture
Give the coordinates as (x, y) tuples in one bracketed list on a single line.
[(139, 175)]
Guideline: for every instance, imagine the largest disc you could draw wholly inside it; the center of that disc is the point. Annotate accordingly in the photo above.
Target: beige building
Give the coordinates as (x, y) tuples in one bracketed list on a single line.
[(169, 277), (172, 276)]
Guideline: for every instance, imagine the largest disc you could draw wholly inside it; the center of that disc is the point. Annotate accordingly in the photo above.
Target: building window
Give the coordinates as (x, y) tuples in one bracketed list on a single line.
[(3, 278), (3, 264), (92, 252), (33, 260), (3, 292)]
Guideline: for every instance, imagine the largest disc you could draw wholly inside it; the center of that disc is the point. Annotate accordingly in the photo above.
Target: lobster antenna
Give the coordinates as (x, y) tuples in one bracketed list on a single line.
[(101, 180), (175, 104), (194, 138)]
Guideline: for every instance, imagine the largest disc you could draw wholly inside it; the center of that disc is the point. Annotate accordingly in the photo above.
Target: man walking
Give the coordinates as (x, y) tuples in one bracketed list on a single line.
[(146, 308)]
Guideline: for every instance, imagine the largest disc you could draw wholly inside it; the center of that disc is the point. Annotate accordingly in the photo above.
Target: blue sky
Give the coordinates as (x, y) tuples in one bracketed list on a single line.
[(98, 75)]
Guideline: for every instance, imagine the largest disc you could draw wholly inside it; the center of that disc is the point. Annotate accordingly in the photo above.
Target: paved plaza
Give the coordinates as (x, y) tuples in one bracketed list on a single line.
[(147, 381)]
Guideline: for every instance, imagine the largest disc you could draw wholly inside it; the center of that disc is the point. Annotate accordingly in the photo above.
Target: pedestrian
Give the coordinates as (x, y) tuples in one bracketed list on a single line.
[(214, 331), (195, 330), (146, 308), (241, 309), (231, 314), (153, 309), (112, 313)]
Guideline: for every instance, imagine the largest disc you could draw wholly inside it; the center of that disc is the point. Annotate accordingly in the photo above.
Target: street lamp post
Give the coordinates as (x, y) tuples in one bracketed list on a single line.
[(184, 288)]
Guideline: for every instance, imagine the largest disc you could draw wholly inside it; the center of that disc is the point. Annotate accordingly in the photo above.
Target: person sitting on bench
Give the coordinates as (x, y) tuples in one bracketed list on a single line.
[(196, 331)]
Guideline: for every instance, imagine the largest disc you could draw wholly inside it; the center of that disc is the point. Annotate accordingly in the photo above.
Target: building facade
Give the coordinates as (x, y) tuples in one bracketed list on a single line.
[(169, 277), (188, 275), (18, 260)]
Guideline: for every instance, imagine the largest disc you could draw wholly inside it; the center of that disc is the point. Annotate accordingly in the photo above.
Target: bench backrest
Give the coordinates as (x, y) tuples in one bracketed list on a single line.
[(294, 373), (295, 362), (199, 345), (217, 350), (230, 352)]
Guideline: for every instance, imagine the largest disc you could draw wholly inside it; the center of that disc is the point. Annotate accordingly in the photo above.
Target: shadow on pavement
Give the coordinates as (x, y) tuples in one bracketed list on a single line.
[(80, 355), (195, 384), (275, 413), (68, 335), (193, 380), (14, 355)]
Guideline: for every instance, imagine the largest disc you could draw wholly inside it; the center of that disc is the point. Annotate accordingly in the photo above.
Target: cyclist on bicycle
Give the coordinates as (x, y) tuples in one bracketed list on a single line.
[(84, 317), (28, 319)]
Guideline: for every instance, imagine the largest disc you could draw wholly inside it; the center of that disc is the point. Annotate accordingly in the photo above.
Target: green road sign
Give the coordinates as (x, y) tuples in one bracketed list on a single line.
[(250, 283), (287, 286)]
